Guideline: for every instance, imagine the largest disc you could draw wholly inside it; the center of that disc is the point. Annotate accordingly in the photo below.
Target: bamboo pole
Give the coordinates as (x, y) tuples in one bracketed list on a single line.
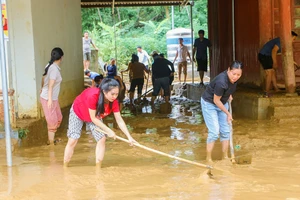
[(160, 153)]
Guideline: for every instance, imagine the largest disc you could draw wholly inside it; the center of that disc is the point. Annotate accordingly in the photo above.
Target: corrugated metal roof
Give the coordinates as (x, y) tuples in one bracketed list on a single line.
[(130, 3)]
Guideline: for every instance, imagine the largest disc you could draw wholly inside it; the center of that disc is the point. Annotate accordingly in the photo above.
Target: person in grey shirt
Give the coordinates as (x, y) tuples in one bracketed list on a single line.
[(51, 82), (86, 46)]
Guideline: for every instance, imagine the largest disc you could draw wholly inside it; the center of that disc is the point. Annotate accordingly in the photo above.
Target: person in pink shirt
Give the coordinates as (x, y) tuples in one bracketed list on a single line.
[(90, 107)]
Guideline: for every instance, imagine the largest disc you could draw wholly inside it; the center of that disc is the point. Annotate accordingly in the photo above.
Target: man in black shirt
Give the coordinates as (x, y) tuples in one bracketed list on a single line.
[(200, 50), (161, 73)]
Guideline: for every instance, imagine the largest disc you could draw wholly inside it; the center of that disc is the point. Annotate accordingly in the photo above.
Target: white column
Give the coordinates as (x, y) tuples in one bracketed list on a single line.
[(35, 28)]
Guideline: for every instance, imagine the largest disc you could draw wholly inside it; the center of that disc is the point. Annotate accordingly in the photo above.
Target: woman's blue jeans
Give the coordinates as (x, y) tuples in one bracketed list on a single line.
[(216, 121)]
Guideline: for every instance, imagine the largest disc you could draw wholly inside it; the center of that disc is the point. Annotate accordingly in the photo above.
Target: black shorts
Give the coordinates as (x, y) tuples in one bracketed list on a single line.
[(171, 79), (137, 82), (265, 61), (202, 65)]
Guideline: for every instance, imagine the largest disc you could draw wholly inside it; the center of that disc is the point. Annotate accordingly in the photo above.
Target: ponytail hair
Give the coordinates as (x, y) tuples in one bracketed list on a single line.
[(107, 84), (56, 54)]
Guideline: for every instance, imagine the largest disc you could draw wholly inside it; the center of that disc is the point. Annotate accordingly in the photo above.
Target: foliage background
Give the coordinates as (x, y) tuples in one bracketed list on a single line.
[(138, 26)]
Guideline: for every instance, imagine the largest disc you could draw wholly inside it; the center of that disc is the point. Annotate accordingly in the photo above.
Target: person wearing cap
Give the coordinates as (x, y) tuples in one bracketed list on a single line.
[(181, 53), (200, 46), (161, 73), (143, 56)]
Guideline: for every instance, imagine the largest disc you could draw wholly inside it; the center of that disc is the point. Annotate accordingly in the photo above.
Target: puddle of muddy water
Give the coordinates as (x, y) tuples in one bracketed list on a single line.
[(133, 173)]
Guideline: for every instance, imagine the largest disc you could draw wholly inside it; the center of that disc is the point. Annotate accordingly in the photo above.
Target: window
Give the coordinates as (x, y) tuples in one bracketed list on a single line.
[(296, 17)]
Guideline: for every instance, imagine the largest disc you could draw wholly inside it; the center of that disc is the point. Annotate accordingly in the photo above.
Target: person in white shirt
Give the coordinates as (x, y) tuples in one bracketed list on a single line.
[(182, 53), (143, 56)]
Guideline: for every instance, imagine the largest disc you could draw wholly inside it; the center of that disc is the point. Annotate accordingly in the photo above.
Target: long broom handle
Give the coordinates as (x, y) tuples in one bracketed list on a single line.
[(231, 134), (165, 154), (161, 153)]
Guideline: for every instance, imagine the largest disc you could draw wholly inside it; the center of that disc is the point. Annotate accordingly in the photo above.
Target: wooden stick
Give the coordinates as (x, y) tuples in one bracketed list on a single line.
[(160, 153), (146, 84), (231, 136), (165, 154)]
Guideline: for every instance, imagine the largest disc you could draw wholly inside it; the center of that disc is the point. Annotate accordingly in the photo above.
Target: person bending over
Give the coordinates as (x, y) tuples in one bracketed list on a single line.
[(91, 106)]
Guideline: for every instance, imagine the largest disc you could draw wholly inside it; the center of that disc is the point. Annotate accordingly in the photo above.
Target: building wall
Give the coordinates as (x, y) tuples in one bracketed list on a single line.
[(247, 40), (220, 34), (36, 27), (246, 26)]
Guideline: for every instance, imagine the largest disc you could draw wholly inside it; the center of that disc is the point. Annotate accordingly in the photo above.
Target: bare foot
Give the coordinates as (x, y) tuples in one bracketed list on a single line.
[(233, 160), (209, 173), (209, 161), (66, 164), (98, 165), (50, 142)]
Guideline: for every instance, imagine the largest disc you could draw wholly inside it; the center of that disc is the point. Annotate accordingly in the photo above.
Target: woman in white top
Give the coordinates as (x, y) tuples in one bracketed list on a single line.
[(49, 94)]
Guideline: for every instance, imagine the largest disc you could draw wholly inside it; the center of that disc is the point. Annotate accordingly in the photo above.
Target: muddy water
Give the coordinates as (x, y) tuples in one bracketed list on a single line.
[(133, 173)]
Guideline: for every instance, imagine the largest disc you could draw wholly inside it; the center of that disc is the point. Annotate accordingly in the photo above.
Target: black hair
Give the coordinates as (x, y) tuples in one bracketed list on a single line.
[(86, 72), (56, 54), (236, 65), (201, 32), (162, 55), (294, 34), (180, 38), (134, 58), (97, 79), (139, 47), (107, 84)]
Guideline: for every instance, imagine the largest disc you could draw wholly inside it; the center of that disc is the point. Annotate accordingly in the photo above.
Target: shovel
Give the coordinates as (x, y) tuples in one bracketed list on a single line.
[(243, 159), (145, 99), (230, 137)]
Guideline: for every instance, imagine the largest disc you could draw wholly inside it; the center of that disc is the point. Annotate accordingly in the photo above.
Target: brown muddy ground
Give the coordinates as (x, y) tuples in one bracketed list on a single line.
[(133, 173)]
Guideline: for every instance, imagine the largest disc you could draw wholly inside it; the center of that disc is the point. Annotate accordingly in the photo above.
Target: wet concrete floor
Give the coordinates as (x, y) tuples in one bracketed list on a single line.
[(133, 173)]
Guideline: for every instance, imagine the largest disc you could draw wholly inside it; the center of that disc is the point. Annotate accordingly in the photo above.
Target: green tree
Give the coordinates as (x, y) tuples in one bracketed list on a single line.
[(138, 26)]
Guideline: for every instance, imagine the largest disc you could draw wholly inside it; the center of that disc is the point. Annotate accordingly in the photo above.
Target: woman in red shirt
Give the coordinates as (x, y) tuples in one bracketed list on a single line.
[(90, 107)]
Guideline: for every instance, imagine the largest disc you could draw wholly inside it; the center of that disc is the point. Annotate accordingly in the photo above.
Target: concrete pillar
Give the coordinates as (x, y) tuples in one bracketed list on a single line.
[(94, 61), (265, 27), (287, 46), (35, 28)]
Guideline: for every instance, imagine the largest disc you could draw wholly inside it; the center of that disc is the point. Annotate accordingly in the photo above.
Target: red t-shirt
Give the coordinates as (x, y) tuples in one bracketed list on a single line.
[(88, 99)]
